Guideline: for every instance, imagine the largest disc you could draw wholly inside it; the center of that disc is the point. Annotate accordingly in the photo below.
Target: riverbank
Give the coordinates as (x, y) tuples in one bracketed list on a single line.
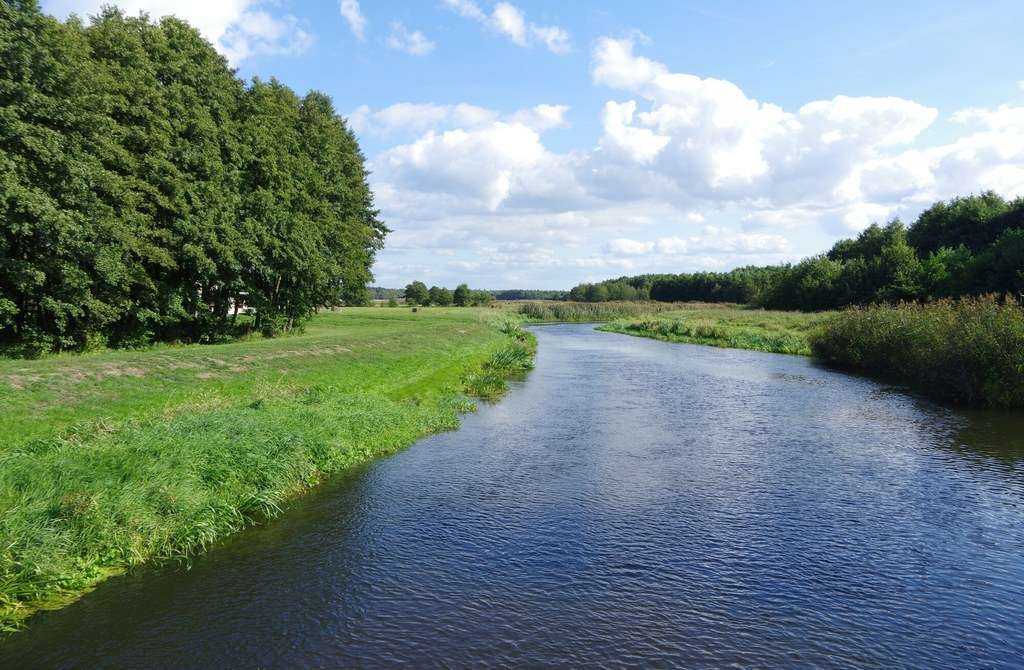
[(729, 326), (967, 352), (115, 459)]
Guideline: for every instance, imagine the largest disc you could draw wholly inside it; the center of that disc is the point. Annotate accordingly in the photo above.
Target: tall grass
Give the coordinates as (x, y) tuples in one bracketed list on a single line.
[(516, 358), (123, 479), (726, 326), (586, 312), (968, 351)]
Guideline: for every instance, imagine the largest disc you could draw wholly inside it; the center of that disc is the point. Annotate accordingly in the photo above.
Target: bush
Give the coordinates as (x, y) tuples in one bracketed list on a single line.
[(968, 351)]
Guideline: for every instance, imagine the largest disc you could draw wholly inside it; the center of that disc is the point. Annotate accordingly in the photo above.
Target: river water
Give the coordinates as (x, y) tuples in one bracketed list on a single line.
[(632, 503)]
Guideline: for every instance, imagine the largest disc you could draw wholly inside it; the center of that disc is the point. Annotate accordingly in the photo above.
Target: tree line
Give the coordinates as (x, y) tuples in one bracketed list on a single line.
[(148, 194), (417, 293), (969, 245)]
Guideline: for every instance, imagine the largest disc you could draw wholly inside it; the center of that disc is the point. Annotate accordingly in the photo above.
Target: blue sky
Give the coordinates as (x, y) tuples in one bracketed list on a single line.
[(537, 144)]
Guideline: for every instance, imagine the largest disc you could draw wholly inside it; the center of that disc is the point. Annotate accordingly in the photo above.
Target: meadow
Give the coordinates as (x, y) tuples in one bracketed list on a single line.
[(589, 312), (724, 325), (118, 458)]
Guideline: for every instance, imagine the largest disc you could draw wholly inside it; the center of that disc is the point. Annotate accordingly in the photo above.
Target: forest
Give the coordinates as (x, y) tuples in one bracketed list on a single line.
[(971, 245), (150, 195)]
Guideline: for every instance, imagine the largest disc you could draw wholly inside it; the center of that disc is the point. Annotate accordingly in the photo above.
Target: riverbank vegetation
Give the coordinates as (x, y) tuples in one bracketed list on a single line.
[(117, 458), (730, 326), (149, 195), (968, 351), (968, 246), (583, 312)]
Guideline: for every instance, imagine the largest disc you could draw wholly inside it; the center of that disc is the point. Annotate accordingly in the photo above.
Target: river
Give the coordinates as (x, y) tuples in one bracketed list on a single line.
[(632, 503)]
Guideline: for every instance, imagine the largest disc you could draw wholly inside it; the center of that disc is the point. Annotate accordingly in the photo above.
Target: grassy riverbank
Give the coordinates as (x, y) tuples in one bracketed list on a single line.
[(969, 351), (589, 312), (113, 459), (729, 326)]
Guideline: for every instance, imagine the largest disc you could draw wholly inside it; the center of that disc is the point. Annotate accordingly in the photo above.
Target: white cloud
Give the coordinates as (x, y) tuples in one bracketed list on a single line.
[(352, 13), (711, 240), (510, 21), (556, 39), (420, 117), (238, 28), (412, 42), (686, 173), (1003, 117), (481, 165), (626, 247), (542, 117), (641, 145)]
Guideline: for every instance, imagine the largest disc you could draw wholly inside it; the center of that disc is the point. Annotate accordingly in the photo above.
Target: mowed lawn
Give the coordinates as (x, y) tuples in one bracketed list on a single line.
[(112, 459)]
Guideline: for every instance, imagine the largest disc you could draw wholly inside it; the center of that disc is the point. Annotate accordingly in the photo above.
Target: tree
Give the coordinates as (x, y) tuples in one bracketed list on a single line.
[(442, 297), (416, 293), (462, 296), (481, 298), (146, 189), (974, 221)]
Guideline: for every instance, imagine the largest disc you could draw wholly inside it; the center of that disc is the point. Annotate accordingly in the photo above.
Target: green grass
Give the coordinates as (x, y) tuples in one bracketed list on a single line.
[(723, 325), (589, 312), (115, 459), (968, 351)]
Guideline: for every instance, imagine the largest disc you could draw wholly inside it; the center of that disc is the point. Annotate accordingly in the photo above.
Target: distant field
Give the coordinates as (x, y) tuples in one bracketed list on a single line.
[(722, 325), (112, 459)]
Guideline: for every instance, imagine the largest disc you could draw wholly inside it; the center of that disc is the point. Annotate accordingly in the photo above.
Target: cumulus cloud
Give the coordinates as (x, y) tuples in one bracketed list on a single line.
[(627, 247), (412, 42), (353, 15), (419, 117), (686, 172), (510, 21), (482, 165), (239, 29), (711, 240)]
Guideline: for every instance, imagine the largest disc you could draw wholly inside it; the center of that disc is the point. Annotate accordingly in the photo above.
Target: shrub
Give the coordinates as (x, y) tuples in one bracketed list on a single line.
[(968, 351)]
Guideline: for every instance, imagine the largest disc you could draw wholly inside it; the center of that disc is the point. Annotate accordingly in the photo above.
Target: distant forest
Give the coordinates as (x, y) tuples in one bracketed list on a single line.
[(968, 246), (379, 293), (148, 194)]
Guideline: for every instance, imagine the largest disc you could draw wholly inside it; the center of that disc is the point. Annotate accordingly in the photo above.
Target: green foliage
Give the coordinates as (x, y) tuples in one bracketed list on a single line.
[(440, 296), (117, 458), (462, 296), (416, 293), (731, 327), (968, 351), (147, 191), (514, 359), (480, 298), (584, 312), (529, 294)]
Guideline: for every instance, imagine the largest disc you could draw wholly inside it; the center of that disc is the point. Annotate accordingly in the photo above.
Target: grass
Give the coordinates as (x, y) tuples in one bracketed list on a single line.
[(724, 325), (968, 351), (589, 312), (115, 459)]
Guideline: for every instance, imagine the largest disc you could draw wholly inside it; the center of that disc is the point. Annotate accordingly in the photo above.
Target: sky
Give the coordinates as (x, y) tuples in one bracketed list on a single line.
[(538, 145)]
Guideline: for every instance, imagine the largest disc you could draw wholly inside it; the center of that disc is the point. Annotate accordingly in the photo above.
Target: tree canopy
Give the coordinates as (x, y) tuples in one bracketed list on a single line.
[(148, 193)]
